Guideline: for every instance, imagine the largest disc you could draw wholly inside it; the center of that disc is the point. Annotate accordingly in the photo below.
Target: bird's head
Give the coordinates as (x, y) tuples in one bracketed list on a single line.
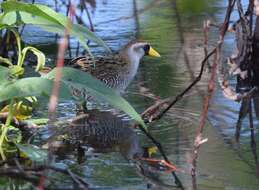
[(136, 49)]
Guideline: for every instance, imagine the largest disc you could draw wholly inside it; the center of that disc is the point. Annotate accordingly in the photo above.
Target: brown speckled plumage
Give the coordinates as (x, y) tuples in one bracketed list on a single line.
[(110, 70), (103, 130), (116, 71)]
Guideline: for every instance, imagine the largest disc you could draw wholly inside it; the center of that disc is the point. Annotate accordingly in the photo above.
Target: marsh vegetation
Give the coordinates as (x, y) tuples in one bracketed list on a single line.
[(185, 120)]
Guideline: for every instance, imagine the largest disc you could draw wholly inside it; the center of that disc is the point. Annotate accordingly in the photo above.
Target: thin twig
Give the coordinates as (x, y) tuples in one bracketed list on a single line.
[(89, 17), (211, 86), (35, 174), (56, 84), (198, 138), (67, 35), (242, 114), (180, 95), (206, 25), (252, 138), (161, 150)]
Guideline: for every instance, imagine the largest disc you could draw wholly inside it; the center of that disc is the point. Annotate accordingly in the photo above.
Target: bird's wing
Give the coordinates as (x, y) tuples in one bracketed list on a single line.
[(106, 69)]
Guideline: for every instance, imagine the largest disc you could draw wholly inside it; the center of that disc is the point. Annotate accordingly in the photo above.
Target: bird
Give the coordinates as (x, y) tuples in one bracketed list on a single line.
[(105, 131), (117, 70)]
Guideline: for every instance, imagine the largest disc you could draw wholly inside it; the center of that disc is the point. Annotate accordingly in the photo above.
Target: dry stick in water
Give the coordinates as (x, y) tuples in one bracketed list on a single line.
[(173, 102), (198, 139), (252, 137), (150, 110), (89, 17), (60, 63), (66, 36), (211, 86), (56, 86), (159, 116), (161, 150), (180, 96), (256, 65), (206, 25), (148, 114)]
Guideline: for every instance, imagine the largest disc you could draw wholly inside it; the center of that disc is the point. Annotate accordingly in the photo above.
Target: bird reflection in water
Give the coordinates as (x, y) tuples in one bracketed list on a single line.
[(104, 132)]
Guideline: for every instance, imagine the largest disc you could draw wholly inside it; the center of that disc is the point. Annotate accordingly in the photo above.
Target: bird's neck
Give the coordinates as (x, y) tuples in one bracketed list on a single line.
[(133, 60)]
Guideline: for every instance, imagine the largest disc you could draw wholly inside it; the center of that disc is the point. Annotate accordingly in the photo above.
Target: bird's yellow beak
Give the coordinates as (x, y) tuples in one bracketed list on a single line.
[(151, 150), (153, 53)]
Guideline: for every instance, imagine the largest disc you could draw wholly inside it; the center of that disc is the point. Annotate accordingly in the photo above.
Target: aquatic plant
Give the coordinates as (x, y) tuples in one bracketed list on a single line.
[(15, 87)]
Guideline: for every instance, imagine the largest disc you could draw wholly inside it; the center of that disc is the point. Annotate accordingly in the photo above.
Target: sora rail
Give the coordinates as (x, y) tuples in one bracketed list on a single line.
[(118, 70)]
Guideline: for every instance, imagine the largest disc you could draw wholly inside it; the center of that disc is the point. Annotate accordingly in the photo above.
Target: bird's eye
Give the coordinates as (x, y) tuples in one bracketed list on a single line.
[(146, 49)]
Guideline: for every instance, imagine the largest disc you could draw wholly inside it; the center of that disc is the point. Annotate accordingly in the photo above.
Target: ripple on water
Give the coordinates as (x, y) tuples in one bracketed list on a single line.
[(220, 165)]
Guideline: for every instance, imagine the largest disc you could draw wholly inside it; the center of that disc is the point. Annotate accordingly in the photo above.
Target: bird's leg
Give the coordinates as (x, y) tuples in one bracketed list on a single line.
[(80, 154), (84, 106), (81, 107)]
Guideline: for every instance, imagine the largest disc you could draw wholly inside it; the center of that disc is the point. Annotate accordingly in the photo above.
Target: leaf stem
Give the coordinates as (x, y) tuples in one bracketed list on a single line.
[(5, 128), (18, 41)]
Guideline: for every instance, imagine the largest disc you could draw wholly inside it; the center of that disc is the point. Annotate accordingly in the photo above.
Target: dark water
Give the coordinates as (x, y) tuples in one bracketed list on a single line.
[(172, 30)]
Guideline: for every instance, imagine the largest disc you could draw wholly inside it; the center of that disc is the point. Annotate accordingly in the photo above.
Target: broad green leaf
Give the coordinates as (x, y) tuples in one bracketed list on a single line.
[(32, 86), (7, 19), (4, 74), (83, 81), (48, 19), (34, 153)]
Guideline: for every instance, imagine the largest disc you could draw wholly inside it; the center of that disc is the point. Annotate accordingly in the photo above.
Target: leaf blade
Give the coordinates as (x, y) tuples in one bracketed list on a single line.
[(31, 86), (82, 80), (38, 14)]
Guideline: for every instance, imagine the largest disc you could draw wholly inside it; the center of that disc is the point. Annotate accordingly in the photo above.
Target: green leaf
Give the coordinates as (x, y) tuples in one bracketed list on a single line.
[(7, 20), (41, 121), (5, 60), (14, 134), (4, 74), (36, 86), (38, 53), (48, 19), (33, 152), (16, 70), (32, 86), (83, 81)]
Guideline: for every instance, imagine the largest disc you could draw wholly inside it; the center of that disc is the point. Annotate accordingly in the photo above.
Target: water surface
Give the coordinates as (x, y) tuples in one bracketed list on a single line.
[(175, 30)]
